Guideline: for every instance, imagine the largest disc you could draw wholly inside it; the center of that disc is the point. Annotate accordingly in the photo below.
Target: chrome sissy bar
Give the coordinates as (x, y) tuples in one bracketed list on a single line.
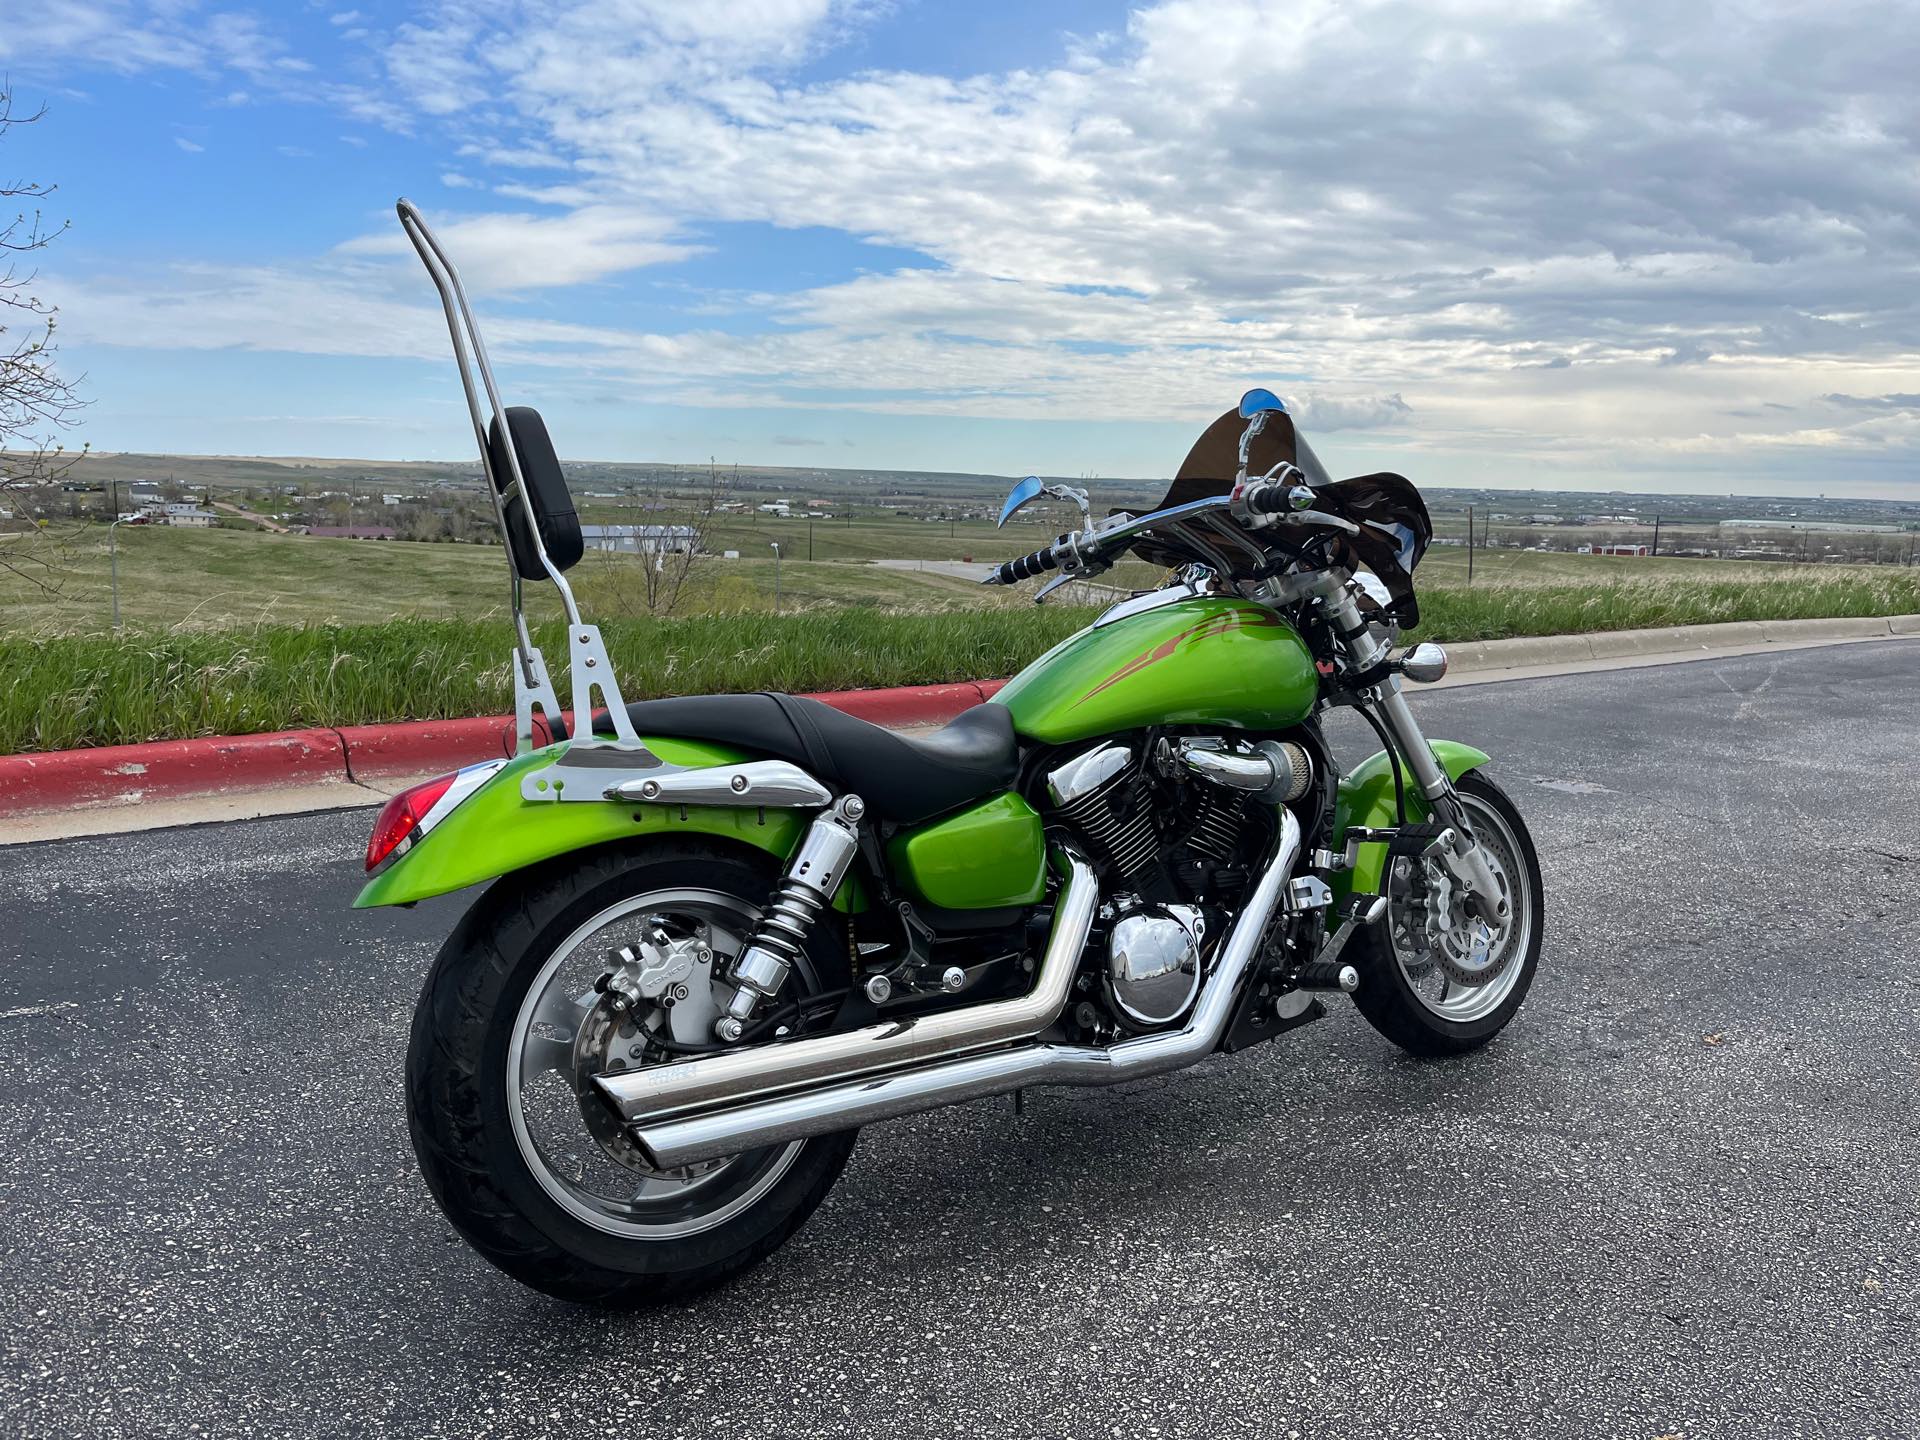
[(589, 668)]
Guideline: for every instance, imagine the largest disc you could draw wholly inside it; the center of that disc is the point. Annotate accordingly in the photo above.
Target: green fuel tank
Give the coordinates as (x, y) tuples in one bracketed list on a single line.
[(1195, 661)]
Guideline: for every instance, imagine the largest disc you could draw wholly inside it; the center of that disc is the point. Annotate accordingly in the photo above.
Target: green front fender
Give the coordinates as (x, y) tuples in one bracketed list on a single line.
[(494, 831), (1365, 797)]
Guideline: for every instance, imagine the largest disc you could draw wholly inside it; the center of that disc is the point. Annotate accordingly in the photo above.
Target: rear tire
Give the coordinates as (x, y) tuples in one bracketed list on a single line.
[(1406, 1012), (475, 1146)]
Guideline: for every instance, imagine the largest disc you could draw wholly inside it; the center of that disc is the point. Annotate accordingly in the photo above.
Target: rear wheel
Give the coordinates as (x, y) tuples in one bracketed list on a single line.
[(581, 968), (1433, 978)]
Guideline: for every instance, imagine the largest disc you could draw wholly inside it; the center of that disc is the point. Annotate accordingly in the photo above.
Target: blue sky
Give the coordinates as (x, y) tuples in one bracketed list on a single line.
[(1597, 245)]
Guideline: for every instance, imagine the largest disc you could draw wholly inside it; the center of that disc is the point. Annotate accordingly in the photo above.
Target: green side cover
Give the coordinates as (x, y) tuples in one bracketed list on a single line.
[(494, 831), (1197, 662), (1365, 797), (989, 856)]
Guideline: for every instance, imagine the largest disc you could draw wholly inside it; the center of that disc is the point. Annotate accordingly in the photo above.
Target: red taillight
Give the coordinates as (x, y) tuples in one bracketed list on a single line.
[(401, 816)]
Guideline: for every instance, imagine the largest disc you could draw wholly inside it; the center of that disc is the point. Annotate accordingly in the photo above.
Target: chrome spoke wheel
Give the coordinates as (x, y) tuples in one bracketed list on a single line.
[(582, 1016), (1457, 966)]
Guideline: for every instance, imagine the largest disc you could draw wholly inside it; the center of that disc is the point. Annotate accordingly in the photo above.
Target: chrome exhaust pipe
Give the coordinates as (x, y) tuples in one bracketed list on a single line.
[(657, 1091), (844, 1105)]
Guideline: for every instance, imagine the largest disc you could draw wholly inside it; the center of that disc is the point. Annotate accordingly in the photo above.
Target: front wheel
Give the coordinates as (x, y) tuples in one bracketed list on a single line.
[(1434, 979), (589, 965)]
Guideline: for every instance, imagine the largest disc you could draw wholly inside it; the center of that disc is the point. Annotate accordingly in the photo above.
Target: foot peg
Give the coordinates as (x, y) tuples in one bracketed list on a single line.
[(1328, 971), (1327, 975)]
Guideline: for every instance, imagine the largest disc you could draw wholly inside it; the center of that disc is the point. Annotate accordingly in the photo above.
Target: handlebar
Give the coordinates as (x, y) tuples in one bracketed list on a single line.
[(1095, 548), (1025, 568), (1267, 498)]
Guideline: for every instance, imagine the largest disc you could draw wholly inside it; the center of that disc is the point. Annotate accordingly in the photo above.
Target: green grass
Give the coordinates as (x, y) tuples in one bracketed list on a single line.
[(1500, 612), (227, 578), (69, 691), (75, 690)]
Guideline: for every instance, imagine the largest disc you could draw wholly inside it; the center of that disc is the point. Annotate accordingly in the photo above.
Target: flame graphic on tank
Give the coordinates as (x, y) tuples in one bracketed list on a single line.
[(1219, 623)]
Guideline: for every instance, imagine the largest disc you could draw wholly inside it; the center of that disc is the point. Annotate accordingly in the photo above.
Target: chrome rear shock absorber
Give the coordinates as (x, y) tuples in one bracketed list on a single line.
[(813, 874)]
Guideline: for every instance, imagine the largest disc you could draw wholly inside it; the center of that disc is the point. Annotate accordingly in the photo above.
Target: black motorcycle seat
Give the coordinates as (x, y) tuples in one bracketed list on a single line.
[(906, 778)]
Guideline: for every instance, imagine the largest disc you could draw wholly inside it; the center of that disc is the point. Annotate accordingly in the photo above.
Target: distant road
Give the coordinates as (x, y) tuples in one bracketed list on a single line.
[(262, 521), (977, 570)]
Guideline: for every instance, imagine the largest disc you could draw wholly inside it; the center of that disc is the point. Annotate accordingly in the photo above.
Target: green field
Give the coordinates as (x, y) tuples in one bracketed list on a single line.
[(222, 578), (100, 689), (229, 631)]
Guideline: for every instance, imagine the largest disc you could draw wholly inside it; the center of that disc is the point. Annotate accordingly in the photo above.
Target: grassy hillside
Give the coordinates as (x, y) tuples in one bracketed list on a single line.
[(220, 578), (100, 690)]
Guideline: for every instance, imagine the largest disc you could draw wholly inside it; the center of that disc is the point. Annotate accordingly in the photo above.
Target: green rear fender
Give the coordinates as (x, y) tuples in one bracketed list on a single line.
[(494, 831), (1366, 798)]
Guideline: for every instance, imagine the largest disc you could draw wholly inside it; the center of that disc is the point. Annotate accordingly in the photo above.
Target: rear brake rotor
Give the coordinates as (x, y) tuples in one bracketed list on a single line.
[(610, 1040)]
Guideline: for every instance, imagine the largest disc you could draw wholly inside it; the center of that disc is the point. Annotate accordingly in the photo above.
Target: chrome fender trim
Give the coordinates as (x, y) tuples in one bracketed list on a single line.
[(621, 773), (845, 1104)]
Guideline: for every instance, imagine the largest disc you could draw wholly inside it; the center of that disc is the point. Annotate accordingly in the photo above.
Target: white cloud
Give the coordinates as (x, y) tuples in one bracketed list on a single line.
[(188, 145), (1517, 233), (1394, 200), (518, 252)]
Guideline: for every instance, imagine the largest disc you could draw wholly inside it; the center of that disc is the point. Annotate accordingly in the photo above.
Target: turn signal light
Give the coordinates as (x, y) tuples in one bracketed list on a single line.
[(400, 817)]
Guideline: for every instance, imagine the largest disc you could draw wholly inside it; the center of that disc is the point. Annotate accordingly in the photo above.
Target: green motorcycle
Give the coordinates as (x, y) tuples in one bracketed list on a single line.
[(724, 932)]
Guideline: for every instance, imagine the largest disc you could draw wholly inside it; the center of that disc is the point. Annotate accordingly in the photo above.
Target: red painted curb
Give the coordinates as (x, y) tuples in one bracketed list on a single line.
[(422, 747), (171, 769), (907, 704), (168, 769)]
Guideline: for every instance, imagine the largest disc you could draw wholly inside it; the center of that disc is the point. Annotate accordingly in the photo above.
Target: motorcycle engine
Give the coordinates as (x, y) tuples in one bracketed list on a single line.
[(1171, 848), (1153, 962)]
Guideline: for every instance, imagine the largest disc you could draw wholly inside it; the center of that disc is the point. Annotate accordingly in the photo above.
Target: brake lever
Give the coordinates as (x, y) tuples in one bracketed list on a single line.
[(1318, 517), (1040, 595), (1078, 566)]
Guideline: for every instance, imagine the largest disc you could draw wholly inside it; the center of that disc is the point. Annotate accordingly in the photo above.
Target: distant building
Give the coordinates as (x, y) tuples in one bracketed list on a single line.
[(641, 539), (351, 532), (190, 517), (1622, 550)]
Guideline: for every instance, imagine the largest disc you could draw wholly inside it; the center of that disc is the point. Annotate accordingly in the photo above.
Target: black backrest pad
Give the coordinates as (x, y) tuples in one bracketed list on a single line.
[(546, 487)]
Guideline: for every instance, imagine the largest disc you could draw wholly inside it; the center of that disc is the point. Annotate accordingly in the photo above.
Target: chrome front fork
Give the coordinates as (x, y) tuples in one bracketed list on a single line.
[(1459, 852)]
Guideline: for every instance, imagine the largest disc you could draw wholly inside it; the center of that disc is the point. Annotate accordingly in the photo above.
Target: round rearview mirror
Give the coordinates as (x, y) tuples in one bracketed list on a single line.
[(1424, 664)]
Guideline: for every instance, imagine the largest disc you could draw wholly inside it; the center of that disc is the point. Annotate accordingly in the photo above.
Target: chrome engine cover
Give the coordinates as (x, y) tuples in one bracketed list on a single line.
[(1153, 962)]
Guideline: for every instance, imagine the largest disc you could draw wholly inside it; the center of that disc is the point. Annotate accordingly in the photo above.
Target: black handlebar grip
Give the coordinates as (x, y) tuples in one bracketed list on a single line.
[(1026, 567), (1267, 498)]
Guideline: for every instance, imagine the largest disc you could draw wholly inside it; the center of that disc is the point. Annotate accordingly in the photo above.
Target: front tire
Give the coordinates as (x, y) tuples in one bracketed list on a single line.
[(514, 1146), (1423, 997)]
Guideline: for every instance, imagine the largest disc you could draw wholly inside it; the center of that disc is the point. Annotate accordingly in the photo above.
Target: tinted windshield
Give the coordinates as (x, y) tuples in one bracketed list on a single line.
[(1215, 458)]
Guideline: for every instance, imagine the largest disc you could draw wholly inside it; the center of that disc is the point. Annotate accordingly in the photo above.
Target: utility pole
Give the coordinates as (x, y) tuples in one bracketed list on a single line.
[(1469, 544), (1656, 534), (113, 567), (809, 541), (776, 575)]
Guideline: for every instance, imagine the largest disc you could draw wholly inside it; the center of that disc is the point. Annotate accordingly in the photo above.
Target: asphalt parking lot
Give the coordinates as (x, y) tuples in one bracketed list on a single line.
[(1681, 1196)]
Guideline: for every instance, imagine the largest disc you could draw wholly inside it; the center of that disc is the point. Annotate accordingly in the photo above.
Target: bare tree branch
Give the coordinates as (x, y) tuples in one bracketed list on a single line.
[(37, 402), (656, 587)]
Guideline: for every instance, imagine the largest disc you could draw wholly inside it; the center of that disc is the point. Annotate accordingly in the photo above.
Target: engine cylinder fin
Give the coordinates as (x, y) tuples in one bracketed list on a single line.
[(1116, 820), (1216, 829)]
